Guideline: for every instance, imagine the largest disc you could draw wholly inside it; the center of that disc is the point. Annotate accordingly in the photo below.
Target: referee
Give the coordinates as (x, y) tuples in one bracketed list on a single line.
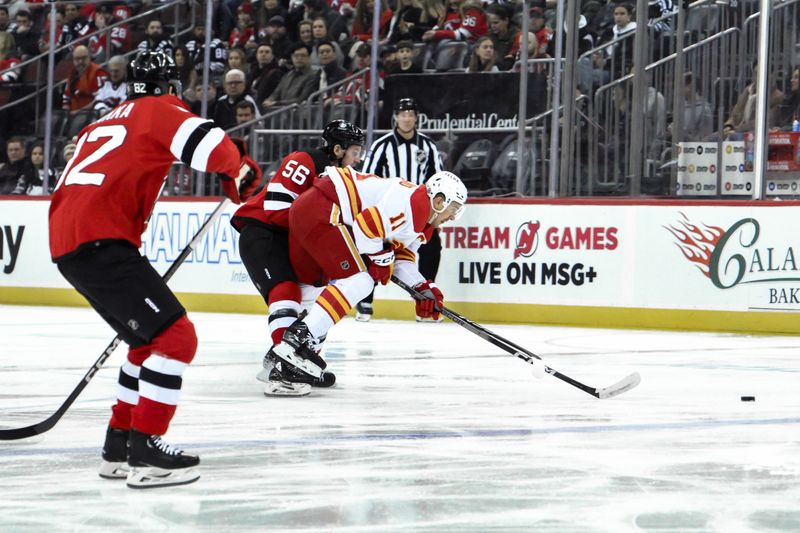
[(406, 153)]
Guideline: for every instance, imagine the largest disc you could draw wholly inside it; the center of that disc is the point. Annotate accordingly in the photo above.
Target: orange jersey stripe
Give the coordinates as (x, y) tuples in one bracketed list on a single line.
[(334, 300), (334, 290), (329, 309), (352, 193)]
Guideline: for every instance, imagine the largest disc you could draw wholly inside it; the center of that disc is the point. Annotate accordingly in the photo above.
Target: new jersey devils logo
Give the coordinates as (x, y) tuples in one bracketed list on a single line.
[(527, 239)]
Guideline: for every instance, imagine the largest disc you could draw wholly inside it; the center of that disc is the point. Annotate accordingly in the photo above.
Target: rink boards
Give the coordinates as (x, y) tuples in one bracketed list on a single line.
[(708, 265)]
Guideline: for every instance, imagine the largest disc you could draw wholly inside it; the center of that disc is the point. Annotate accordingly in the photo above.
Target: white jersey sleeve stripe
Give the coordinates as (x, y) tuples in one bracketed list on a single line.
[(205, 147), (182, 135)]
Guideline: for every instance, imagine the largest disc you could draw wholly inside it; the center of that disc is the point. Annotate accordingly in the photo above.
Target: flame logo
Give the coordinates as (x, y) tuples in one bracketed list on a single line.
[(526, 239), (696, 243)]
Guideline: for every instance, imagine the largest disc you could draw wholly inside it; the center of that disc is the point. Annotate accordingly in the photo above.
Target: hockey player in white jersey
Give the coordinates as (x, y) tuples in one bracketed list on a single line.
[(351, 230)]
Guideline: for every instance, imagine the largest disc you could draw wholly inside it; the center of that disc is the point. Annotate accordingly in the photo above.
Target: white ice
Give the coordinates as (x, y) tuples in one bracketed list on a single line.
[(430, 428)]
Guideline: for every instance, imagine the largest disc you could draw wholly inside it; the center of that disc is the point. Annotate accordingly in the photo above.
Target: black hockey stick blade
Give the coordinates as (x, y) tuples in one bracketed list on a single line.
[(46, 425), (529, 357), (52, 420)]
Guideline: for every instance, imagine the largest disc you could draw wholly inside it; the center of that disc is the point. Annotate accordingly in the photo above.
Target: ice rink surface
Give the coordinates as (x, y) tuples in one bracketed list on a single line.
[(429, 428)]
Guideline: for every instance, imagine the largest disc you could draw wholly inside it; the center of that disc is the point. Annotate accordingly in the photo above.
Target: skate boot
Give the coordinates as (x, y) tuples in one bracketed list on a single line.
[(363, 311), (154, 463), (297, 349), (115, 454)]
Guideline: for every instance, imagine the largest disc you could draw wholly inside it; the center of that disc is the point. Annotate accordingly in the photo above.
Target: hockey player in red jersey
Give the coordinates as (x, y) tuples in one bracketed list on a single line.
[(351, 230), (99, 210), (263, 223)]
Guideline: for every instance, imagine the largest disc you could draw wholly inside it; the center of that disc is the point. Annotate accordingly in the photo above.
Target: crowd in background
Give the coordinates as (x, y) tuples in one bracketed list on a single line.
[(269, 53)]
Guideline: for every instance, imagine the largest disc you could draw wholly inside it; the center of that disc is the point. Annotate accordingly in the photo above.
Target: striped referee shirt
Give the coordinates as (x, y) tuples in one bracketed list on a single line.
[(415, 160)]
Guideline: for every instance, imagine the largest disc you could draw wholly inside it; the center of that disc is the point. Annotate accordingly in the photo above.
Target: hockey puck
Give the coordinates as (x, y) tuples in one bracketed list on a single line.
[(748, 398)]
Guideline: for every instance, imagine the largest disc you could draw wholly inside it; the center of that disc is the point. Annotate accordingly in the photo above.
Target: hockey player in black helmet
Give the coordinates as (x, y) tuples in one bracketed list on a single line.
[(263, 224), (343, 134), (152, 74), (96, 222)]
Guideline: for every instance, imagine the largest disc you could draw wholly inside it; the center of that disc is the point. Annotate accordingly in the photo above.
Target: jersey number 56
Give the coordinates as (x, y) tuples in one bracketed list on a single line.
[(296, 172)]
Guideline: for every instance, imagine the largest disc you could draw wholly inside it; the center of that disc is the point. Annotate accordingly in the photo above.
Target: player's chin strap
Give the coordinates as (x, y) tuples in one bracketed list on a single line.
[(47, 424), (621, 386)]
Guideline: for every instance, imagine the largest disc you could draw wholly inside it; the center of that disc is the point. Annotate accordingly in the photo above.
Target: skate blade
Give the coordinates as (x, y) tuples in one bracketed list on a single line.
[(110, 470), (276, 389), (286, 353), (150, 477), (363, 317)]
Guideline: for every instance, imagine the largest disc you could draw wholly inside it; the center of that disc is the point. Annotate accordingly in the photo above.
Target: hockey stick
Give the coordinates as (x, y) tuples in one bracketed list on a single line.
[(617, 388), (52, 420)]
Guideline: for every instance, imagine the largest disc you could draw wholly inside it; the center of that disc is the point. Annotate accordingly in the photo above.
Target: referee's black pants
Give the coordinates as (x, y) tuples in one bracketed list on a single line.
[(430, 254)]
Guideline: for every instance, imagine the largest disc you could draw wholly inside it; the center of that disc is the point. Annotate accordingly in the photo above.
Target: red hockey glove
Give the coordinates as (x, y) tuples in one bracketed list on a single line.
[(431, 305), (381, 266), (240, 189)]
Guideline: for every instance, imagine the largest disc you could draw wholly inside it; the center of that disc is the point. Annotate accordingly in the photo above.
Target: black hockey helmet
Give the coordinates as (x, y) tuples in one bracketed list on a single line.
[(151, 74), (406, 104), (343, 133)]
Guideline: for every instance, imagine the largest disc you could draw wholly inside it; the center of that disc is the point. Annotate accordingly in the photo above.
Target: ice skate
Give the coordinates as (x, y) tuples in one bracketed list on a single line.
[(155, 463), (431, 320), (364, 311), (297, 349), (115, 455), (283, 379)]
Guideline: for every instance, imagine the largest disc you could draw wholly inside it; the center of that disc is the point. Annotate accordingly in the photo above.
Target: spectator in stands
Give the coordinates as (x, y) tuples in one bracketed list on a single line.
[(26, 38), (742, 117), (155, 40), (405, 21), (36, 187), (790, 110), (5, 20), (120, 35), (405, 60), (277, 37), (330, 71), (655, 118), (501, 30), (44, 42), (224, 112), (98, 44), (268, 9), (186, 72), (351, 92), (298, 83), (362, 23), (544, 35), (245, 29), (319, 33), (483, 58), (621, 54), (698, 117), (432, 12), (18, 171), (266, 73), (337, 25), (464, 21), (245, 112), (388, 57), (74, 24), (113, 91), (196, 49), (305, 33), (83, 83), (8, 59), (237, 59), (514, 56), (211, 100)]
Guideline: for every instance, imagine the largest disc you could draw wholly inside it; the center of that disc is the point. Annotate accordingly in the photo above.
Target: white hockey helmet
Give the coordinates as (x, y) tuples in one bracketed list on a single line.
[(450, 186)]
